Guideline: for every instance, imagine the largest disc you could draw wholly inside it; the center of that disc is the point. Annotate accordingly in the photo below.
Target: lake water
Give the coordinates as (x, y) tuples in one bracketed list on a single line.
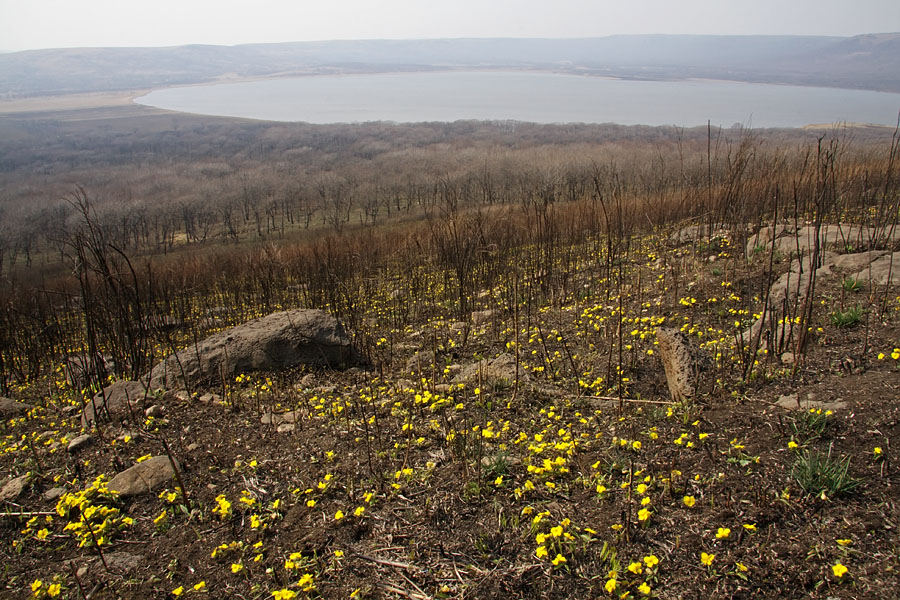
[(527, 96)]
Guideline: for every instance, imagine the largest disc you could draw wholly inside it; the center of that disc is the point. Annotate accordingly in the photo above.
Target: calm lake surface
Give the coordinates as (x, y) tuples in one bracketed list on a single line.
[(528, 96)]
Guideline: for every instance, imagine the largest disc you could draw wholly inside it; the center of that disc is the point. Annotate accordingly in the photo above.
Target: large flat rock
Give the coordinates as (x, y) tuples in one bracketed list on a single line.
[(144, 477), (280, 340)]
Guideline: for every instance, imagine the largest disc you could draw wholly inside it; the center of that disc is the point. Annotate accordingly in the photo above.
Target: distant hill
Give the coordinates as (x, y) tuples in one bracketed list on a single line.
[(866, 62)]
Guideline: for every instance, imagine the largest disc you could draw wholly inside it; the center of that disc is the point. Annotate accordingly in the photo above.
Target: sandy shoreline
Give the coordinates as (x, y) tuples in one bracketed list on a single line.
[(70, 101)]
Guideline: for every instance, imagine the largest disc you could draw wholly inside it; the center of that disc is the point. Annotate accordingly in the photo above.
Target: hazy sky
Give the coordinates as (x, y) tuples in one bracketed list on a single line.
[(26, 24)]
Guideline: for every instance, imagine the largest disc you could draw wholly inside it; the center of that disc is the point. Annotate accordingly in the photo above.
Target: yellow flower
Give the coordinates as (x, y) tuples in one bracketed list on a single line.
[(644, 514), (556, 531), (560, 559), (541, 551), (310, 503), (651, 561), (877, 451), (636, 445), (644, 589), (723, 533), (610, 586), (178, 591), (689, 501), (306, 582), (284, 594), (839, 570), (707, 559), (36, 585), (339, 554), (792, 445), (236, 567), (199, 586), (54, 590), (844, 542), (339, 515), (636, 568), (741, 567)]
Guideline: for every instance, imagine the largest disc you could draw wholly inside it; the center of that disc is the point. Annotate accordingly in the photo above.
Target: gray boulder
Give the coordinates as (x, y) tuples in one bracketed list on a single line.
[(277, 341), (13, 488), (10, 408), (144, 477), (112, 403)]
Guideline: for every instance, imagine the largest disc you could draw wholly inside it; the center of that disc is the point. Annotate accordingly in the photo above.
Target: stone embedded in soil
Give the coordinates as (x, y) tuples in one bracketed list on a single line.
[(480, 317), (54, 493), (143, 478), (793, 402), (82, 441), (279, 418), (285, 428), (492, 370), (124, 561), (13, 488), (278, 341), (154, 411), (113, 403), (10, 408)]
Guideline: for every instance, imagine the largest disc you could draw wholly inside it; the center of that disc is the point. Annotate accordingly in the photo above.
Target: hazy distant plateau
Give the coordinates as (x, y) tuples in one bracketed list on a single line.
[(869, 62)]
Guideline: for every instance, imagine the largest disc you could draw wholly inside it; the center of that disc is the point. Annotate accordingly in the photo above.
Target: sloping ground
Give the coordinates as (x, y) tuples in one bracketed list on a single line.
[(449, 477)]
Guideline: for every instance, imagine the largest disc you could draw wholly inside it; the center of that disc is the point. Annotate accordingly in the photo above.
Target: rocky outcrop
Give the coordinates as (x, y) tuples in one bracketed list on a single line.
[(277, 341), (793, 241)]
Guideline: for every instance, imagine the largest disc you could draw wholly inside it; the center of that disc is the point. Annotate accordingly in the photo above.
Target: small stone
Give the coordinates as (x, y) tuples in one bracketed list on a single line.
[(124, 561), (210, 399), (131, 436), (285, 428), (82, 572), (787, 358), (192, 447), (54, 493), (308, 380), (154, 411), (82, 441), (13, 488), (789, 401)]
